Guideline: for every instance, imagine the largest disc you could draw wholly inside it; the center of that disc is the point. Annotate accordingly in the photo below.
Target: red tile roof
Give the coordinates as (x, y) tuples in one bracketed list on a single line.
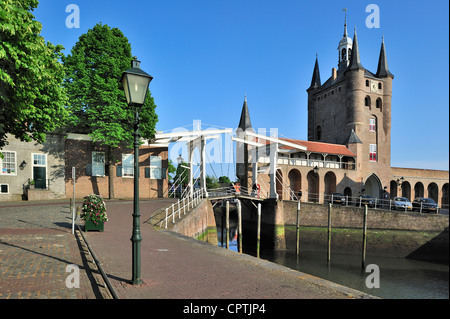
[(318, 147)]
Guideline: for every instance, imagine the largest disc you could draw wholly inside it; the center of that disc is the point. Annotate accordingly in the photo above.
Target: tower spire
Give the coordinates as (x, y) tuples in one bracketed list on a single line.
[(383, 70), (244, 122), (315, 82), (355, 60), (345, 23)]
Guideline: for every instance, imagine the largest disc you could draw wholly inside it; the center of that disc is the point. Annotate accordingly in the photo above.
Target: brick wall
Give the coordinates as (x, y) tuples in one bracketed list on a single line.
[(79, 155)]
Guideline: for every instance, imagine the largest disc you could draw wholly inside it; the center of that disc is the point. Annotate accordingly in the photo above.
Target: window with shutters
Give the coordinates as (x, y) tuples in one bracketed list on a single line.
[(155, 167), (372, 124), (373, 153), (98, 163), (127, 165)]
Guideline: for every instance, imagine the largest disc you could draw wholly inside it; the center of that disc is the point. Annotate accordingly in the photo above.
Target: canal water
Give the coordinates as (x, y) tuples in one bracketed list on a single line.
[(399, 278)]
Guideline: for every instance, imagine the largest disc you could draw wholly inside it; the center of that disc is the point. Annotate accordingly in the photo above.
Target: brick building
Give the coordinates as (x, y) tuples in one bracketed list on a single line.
[(94, 174), (32, 171), (349, 139)]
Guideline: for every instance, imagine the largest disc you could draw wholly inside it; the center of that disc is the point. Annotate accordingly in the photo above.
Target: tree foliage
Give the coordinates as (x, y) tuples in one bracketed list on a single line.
[(212, 182), (224, 180), (96, 98), (171, 170), (32, 99), (182, 174)]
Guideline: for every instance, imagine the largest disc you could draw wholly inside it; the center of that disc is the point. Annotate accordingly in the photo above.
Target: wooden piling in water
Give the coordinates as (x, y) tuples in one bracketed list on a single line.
[(298, 229), (329, 234), (363, 262), (258, 240), (238, 207), (227, 213)]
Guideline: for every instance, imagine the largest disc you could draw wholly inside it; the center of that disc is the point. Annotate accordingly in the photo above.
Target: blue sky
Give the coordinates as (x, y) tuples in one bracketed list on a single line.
[(205, 55)]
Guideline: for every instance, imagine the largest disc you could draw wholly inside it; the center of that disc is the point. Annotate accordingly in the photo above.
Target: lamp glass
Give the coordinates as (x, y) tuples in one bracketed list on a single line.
[(135, 87)]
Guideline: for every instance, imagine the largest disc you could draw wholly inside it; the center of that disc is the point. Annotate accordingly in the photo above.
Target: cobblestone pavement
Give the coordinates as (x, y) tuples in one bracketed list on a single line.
[(36, 246)]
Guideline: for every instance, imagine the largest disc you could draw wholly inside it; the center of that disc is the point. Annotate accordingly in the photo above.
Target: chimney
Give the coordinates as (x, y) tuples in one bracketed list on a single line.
[(333, 73)]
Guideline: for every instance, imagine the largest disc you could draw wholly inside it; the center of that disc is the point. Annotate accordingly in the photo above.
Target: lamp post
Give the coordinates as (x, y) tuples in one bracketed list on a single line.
[(135, 84), (180, 160)]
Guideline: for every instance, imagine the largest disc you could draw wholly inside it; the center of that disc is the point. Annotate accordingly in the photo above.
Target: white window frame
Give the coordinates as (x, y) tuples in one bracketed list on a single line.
[(155, 167), (373, 153), (98, 168), (127, 168), (40, 165), (372, 124), (3, 171)]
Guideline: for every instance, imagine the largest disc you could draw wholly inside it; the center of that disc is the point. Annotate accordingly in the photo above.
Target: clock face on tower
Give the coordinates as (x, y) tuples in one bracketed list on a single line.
[(373, 86)]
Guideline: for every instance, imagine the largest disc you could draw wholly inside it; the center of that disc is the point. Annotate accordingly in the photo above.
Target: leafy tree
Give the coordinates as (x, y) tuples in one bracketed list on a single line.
[(182, 174), (224, 180), (171, 170), (212, 182), (97, 101), (32, 99)]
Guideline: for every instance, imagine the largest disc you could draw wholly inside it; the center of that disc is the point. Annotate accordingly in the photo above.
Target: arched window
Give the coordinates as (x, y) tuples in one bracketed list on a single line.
[(367, 101), (344, 54), (379, 86), (318, 133), (379, 104), (349, 54)]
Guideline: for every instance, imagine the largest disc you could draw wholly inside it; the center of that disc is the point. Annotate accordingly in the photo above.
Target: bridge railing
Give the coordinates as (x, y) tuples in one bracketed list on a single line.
[(236, 190), (360, 201), (184, 204)]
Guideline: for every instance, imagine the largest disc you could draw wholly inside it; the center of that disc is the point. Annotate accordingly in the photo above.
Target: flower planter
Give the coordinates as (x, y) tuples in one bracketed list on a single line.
[(94, 213), (89, 225)]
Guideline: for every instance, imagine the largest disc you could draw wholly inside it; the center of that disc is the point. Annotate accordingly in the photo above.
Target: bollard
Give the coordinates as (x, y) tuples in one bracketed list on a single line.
[(166, 216), (222, 223), (239, 226), (363, 263), (258, 242), (298, 228), (329, 234), (227, 212), (173, 213)]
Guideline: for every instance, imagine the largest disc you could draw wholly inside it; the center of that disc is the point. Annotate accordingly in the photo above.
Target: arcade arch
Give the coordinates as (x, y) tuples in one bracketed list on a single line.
[(418, 190), (313, 187), (295, 180), (433, 192), (372, 186), (330, 183)]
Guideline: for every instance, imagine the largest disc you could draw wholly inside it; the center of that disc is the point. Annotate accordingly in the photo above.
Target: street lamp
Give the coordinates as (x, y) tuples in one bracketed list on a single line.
[(135, 85), (180, 159)]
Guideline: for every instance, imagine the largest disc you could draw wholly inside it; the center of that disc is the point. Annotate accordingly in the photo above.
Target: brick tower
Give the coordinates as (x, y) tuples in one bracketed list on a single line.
[(353, 107)]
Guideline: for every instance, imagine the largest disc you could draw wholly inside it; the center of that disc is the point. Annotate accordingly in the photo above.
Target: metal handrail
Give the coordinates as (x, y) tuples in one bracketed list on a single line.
[(99, 266)]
